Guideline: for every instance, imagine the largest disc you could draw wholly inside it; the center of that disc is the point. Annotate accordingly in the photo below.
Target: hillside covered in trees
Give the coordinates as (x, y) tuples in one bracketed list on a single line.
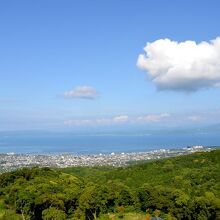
[(184, 187)]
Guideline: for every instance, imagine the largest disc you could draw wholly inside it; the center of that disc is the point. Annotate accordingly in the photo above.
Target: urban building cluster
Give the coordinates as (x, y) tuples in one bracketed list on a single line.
[(12, 161)]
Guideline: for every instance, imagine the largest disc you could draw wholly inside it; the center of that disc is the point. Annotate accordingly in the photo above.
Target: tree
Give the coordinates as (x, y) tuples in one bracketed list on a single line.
[(90, 202)]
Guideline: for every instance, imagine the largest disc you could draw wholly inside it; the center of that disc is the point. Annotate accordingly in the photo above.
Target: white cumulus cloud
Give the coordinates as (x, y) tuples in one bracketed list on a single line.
[(185, 66), (82, 92)]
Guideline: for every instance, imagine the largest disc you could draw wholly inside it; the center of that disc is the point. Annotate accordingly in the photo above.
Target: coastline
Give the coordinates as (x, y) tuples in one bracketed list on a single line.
[(13, 161)]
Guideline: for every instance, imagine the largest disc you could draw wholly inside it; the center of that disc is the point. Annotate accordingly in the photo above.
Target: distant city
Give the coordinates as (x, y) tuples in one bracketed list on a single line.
[(12, 161)]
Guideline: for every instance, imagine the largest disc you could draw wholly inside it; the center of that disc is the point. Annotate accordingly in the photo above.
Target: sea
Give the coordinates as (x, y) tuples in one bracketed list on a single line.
[(95, 143)]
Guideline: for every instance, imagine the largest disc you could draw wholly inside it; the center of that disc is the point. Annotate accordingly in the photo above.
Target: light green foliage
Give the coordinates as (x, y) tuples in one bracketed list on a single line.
[(53, 214)]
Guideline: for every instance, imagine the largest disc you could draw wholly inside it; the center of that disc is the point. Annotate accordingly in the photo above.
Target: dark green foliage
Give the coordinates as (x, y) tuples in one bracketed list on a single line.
[(185, 187)]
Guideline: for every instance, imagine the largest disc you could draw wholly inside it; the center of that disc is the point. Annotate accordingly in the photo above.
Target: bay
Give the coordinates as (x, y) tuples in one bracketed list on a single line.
[(67, 142)]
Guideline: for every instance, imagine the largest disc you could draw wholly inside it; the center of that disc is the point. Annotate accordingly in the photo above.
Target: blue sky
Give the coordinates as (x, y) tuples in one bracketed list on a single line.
[(72, 64)]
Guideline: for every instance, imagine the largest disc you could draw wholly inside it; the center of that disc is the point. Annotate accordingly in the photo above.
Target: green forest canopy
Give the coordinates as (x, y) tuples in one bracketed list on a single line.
[(184, 187)]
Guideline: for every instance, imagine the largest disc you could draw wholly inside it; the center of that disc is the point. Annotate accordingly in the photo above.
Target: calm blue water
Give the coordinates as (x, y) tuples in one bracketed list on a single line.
[(91, 144)]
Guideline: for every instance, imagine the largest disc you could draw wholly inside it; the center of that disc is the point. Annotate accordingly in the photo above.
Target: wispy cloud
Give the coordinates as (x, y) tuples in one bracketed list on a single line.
[(82, 92), (153, 117), (185, 66), (121, 119), (194, 118), (118, 120), (165, 119)]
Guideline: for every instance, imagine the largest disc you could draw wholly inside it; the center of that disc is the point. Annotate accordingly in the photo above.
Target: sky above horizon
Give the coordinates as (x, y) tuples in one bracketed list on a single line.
[(115, 64)]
